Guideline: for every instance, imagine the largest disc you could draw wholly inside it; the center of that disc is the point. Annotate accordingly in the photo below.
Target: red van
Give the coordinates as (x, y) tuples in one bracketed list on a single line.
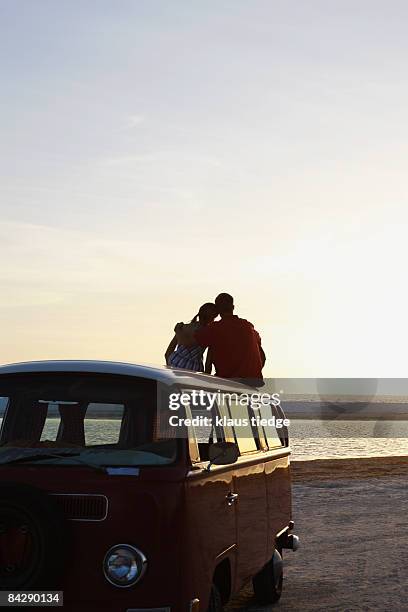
[(128, 497)]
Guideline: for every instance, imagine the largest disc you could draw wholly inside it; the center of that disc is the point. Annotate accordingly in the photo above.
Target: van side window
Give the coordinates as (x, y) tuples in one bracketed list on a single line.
[(271, 433), (224, 412), (206, 434), (243, 428), (201, 436)]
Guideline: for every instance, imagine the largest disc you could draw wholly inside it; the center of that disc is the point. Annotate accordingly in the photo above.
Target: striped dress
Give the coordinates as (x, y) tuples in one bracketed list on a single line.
[(188, 357)]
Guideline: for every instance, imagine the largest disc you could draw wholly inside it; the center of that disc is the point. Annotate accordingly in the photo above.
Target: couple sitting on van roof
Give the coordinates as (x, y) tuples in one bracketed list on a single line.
[(234, 346)]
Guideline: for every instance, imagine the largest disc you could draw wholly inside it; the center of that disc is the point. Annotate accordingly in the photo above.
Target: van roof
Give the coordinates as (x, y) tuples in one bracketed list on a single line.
[(163, 374)]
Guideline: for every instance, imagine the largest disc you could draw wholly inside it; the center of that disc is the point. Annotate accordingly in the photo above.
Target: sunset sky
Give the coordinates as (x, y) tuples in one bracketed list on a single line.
[(154, 154)]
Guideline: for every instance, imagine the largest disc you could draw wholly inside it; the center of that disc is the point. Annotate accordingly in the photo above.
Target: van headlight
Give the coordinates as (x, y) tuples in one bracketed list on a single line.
[(124, 565)]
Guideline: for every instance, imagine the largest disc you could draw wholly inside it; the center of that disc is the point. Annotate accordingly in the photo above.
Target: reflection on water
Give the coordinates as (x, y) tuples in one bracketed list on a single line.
[(310, 439)]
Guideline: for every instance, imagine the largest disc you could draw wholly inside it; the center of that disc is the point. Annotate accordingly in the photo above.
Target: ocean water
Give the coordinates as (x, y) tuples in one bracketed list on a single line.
[(319, 439), (309, 439)]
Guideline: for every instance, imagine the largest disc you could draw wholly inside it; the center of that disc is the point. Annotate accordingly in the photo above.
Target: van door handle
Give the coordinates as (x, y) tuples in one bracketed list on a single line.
[(231, 498)]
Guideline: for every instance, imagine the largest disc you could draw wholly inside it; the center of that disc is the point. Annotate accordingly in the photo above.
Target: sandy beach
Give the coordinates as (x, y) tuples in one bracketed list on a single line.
[(351, 516)]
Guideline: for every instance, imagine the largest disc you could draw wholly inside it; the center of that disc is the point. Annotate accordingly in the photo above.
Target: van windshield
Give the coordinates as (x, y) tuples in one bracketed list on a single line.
[(81, 418)]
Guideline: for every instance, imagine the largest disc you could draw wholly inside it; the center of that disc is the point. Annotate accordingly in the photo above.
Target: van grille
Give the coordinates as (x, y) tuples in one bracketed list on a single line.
[(77, 507)]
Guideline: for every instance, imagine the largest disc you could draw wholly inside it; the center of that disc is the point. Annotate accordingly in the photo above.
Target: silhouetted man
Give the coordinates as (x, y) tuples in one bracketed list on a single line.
[(235, 345)]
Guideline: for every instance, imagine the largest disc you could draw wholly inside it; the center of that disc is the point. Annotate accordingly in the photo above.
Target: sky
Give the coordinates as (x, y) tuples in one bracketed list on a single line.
[(154, 154)]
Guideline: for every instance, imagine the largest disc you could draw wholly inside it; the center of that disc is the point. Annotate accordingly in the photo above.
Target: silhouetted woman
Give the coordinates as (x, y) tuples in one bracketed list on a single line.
[(183, 351)]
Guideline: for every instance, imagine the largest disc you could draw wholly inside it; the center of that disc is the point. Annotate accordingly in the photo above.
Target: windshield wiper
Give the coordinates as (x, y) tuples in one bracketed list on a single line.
[(40, 456)]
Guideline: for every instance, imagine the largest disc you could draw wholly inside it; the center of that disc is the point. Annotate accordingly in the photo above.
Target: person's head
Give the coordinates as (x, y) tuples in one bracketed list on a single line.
[(224, 303), (207, 313)]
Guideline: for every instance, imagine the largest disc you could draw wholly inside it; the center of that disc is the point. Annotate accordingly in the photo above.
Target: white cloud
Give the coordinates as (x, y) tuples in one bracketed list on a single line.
[(126, 160), (135, 120)]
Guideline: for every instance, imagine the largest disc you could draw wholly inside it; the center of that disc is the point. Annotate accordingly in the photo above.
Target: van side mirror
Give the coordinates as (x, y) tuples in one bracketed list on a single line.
[(222, 453)]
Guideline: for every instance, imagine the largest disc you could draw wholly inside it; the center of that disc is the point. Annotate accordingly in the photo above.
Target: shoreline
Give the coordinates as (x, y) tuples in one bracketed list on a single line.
[(346, 468)]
